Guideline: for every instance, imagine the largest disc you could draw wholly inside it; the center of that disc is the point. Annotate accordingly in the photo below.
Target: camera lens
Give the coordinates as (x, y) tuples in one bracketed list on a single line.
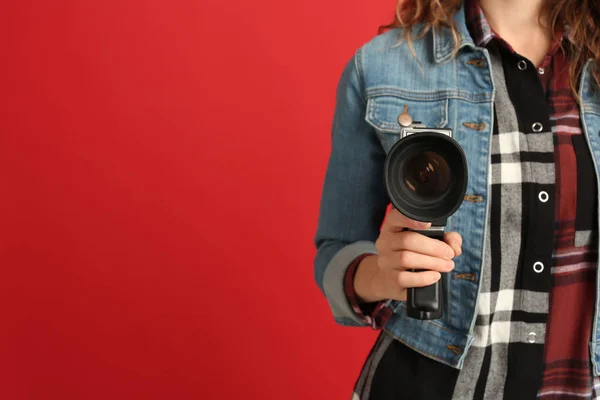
[(427, 175)]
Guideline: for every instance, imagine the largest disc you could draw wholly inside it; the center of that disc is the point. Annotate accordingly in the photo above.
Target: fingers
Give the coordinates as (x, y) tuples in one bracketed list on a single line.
[(418, 243), (454, 240), (408, 279), (402, 251), (402, 260), (395, 284), (395, 221), (394, 273)]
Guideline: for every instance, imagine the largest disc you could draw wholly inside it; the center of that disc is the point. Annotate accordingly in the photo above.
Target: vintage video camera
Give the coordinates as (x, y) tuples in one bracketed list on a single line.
[(426, 176)]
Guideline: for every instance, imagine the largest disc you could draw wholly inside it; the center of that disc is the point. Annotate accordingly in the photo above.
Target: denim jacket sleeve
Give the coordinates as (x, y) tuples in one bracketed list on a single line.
[(353, 200)]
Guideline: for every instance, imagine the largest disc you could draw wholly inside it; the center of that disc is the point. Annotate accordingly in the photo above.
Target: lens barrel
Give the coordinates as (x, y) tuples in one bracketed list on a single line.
[(426, 176)]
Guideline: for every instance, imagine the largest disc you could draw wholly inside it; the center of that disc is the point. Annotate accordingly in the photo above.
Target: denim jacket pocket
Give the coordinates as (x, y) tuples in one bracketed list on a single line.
[(383, 112)]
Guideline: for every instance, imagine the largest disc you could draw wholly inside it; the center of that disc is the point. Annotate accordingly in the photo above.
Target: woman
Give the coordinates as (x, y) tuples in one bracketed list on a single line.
[(517, 82)]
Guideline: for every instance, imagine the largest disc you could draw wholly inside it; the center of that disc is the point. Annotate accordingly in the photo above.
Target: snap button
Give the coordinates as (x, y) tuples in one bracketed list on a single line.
[(538, 267), (541, 71), (531, 338), (543, 196), (405, 119), (537, 127), (522, 65)]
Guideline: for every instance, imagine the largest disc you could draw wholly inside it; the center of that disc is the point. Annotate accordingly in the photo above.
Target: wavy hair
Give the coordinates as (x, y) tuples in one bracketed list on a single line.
[(418, 17)]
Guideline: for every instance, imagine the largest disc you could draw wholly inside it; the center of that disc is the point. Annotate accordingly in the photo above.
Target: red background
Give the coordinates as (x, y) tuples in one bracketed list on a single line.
[(160, 172)]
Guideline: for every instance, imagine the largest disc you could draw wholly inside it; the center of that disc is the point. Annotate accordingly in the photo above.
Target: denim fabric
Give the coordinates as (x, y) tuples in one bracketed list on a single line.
[(441, 89)]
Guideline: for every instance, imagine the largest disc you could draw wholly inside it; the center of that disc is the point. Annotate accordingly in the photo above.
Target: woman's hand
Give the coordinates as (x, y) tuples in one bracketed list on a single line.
[(385, 276)]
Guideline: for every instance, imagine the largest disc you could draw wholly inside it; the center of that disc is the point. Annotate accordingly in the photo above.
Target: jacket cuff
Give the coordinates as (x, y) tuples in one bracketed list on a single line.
[(334, 282)]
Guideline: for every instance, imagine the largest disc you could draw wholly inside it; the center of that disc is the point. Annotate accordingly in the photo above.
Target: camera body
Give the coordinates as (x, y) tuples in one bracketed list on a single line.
[(417, 127)]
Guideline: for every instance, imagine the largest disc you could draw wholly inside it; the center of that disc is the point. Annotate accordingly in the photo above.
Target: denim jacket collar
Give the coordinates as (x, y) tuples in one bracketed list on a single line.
[(443, 41)]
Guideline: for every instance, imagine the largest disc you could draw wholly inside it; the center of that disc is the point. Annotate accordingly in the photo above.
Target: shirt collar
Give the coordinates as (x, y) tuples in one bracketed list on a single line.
[(477, 24)]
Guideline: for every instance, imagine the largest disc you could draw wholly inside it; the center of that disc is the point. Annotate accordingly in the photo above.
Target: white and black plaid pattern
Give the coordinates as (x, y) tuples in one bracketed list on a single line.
[(513, 304)]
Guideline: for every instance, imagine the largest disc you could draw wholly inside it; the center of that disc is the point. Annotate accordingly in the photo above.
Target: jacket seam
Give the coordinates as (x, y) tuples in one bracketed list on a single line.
[(428, 96), (360, 74), (591, 109)]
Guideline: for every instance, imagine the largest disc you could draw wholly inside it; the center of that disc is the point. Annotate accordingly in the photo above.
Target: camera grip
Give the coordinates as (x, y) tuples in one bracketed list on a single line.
[(427, 303)]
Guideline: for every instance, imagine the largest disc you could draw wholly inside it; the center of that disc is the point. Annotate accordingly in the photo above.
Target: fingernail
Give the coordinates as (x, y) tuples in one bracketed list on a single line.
[(437, 276), (449, 253), (425, 225)]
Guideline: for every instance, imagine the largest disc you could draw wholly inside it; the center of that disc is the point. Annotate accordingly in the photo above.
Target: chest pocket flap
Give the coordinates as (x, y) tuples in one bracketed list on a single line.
[(383, 112)]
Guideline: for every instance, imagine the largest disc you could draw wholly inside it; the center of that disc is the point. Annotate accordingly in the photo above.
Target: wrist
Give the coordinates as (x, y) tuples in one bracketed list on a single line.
[(364, 280)]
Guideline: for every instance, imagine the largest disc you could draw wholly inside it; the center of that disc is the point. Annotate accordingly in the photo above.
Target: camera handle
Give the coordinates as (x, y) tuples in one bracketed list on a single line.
[(427, 303)]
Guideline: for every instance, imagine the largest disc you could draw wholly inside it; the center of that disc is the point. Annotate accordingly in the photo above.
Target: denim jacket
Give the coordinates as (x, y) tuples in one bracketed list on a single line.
[(441, 90)]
